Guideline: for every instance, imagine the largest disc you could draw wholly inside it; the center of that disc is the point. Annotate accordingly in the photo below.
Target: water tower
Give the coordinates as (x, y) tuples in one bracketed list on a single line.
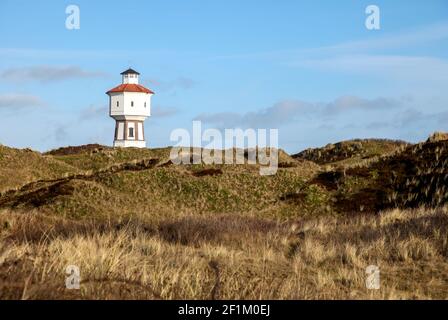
[(129, 105)]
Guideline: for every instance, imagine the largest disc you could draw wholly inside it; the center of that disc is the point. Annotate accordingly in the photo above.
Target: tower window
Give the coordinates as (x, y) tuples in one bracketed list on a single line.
[(118, 103), (145, 104), (132, 103), (131, 132)]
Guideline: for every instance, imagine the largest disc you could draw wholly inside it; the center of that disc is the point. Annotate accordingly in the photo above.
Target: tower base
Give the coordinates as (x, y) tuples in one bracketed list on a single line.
[(130, 143)]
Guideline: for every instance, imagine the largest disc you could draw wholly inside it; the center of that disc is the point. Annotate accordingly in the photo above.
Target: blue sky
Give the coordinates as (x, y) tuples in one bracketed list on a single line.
[(309, 68)]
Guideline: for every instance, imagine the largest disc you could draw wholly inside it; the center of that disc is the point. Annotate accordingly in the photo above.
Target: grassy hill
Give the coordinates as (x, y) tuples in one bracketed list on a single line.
[(21, 166), (141, 227), (352, 151)]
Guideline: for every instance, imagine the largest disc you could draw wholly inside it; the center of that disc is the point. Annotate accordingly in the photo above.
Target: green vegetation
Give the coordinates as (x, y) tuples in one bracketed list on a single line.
[(349, 152)]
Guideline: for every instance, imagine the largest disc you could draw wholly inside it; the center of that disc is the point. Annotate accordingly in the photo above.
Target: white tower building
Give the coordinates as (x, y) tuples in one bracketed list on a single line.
[(129, 105)]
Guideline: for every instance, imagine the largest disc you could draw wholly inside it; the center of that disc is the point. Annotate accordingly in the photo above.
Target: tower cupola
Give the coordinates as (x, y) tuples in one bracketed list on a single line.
[(130, 76)]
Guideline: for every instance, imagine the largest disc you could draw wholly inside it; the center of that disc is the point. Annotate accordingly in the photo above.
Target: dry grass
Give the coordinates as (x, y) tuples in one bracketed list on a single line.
[(226, 257)]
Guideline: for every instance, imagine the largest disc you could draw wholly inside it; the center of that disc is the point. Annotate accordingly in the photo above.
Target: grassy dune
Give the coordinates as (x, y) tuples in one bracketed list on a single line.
[(140, 227), (21, 166)]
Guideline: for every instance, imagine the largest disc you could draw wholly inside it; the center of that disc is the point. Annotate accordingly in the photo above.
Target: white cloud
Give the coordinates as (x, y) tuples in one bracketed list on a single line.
[(19, 101), (287, 111), (93, 112), (348, 103), (280, 113), (396, 66), (45, 73)]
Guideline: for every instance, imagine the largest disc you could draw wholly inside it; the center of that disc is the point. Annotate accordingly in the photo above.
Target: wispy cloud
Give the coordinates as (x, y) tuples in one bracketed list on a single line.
[(405, 38), (410, 118), (350, 103), (376, 56), (287, 111), (92, 112), (282, 112), (414, 117), (86, 54), (398, 40), (20, 101), (46, 73), (390, 65)]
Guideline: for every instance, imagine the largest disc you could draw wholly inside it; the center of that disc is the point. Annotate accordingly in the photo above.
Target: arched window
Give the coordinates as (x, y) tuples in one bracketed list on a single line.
[(145, 104), (132, 103), (118, 103)]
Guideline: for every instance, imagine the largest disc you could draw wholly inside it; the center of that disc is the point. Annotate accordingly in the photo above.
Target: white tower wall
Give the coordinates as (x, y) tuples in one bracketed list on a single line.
[(130, 104), (137, 104), (116, 104)]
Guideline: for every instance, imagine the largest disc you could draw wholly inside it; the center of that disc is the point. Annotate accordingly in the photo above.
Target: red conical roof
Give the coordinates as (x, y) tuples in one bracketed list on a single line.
[(130, 87)]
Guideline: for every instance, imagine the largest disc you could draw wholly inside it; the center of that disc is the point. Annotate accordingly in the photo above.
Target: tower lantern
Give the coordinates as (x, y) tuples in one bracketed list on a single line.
[(130, 76), (129, 106)]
